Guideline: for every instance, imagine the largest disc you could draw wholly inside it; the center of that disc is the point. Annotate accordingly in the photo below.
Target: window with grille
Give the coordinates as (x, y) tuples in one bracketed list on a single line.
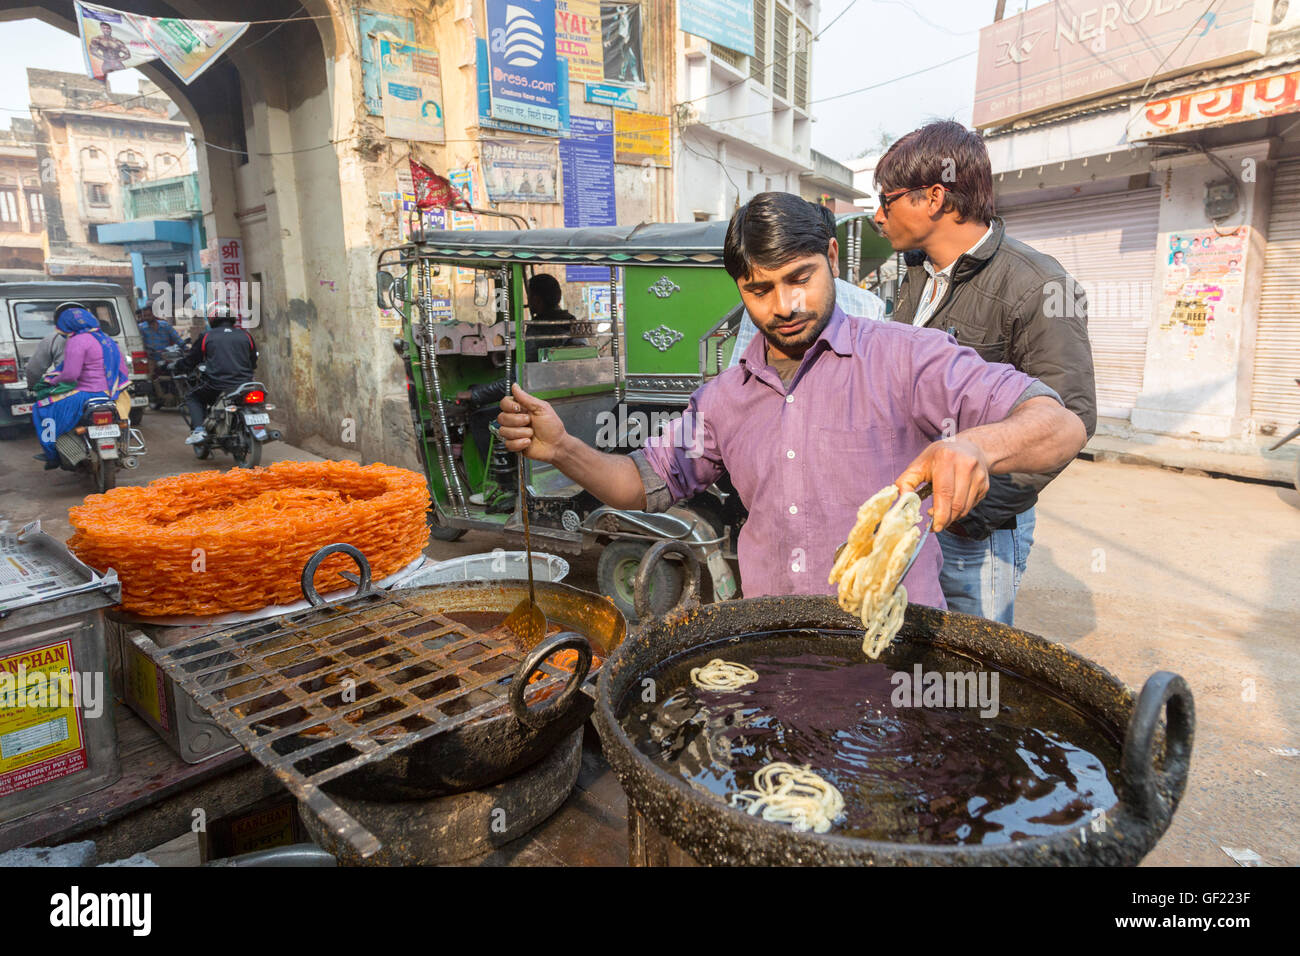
[(97, 194), (726, 55), (802, 51), (781, 52), (758, 62), (9, 209), (35, 210)]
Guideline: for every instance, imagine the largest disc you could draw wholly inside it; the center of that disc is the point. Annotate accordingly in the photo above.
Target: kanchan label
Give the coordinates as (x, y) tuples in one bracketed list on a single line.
[(259, 831), (41, 733)]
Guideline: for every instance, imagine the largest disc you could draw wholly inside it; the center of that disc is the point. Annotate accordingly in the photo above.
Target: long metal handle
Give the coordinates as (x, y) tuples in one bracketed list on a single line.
[(528, 537)]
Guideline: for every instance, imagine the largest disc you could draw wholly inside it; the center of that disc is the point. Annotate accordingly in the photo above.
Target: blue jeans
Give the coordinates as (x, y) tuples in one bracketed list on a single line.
[(981, 577)]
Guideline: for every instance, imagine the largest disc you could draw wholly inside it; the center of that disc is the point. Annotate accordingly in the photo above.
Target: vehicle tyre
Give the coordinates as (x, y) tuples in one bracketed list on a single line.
[(137, 416), (249, 456), (202, 451), (441, 532), (105, 476), (616, 571)]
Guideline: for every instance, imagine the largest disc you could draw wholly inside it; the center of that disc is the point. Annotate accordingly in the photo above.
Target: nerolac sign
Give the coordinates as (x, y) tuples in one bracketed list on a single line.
[(1063, 52)]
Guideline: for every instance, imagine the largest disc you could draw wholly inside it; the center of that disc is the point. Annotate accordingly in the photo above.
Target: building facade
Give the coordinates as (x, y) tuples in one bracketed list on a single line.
[(744, 123), (22, 205), (1166, 177), (831, 183), (97, 144)]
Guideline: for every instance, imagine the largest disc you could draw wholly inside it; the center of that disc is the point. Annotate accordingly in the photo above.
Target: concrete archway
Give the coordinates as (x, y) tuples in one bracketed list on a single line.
[(273, 173)]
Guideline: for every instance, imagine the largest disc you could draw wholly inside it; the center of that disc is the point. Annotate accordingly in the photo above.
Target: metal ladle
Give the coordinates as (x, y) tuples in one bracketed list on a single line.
[(526, 622)]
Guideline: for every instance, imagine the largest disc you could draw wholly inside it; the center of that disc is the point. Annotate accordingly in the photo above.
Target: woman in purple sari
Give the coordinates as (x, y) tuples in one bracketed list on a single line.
[(92, 364)]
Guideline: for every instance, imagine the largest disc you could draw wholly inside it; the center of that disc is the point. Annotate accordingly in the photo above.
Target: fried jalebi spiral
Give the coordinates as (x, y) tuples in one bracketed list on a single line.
[(870, 568), (785, 793), (718, 674), (211, 542)]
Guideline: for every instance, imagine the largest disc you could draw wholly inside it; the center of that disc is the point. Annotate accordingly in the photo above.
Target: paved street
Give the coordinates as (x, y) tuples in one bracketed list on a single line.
[(1140, 569)]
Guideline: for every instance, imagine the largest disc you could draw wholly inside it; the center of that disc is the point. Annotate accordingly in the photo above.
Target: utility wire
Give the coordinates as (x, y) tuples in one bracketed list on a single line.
[(669, 126), (1174, 48)]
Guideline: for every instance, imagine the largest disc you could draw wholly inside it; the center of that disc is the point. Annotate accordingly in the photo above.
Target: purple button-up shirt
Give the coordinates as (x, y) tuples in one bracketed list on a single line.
[(867, 399)]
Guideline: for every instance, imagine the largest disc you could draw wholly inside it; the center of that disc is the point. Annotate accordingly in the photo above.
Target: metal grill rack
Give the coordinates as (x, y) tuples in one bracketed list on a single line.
[(281, 688)]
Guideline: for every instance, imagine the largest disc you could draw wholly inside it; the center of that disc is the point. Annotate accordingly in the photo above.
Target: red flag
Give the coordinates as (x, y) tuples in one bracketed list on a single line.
[(433, 192)]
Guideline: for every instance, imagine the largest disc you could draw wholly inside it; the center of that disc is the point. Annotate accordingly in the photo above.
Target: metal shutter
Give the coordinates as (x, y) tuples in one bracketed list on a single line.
[(1108, 243), (1274, 395)]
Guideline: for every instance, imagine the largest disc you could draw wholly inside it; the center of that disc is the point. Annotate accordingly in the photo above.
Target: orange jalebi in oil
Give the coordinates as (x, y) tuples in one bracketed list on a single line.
[(211, 542)]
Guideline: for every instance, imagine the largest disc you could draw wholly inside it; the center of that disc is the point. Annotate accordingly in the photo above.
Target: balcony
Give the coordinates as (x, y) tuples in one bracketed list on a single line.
[(176, 197)]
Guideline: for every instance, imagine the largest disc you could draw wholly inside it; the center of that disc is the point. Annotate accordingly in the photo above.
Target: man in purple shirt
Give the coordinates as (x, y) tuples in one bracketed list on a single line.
[(822, 412)]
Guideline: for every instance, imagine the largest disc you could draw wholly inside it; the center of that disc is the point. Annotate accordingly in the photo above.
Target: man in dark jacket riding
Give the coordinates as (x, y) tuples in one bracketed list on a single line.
[(229, 358), (998, 296)]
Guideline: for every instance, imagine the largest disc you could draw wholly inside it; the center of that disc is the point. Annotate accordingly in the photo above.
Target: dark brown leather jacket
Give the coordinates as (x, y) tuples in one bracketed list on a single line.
[(1015, 305)]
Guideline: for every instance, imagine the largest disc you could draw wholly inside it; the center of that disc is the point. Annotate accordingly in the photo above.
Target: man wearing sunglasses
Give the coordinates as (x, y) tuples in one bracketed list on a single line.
[(824, 410), (1011, 304)]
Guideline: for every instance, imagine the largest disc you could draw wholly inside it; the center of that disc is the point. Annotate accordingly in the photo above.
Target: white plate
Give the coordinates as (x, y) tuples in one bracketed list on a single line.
[(104, 431), (139, 400), (20, 409), (254, 418)]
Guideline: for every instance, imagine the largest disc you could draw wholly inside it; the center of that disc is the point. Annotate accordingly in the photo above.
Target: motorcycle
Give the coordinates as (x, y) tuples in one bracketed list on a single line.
[(237, 424), (171, 385), (100, 444), (1294, 433)]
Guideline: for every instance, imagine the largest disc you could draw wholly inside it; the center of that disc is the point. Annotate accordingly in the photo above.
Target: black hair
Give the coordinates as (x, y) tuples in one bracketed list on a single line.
[(942, 153), (545, 288), (772, 229)]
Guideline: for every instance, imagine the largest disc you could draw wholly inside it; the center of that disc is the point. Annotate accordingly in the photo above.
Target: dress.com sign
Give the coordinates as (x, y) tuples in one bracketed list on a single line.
[(521, 56)]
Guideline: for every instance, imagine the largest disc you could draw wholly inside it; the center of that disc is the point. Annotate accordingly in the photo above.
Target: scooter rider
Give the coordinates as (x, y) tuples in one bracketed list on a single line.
[(229, 357)]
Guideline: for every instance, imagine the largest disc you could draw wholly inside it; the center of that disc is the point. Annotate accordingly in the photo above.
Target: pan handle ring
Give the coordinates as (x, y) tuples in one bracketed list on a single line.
[(1168, 693), (314, 562), (690, 595), (537, 717)]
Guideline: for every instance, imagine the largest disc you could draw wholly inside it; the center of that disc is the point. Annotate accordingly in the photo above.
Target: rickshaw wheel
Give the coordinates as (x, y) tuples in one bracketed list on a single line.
[(617, 568), (441, 532)]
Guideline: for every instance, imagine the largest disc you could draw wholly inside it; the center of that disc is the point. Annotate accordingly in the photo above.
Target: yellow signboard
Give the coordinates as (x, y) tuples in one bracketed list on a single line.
[(642, 139), (578, 39), (40, 723)]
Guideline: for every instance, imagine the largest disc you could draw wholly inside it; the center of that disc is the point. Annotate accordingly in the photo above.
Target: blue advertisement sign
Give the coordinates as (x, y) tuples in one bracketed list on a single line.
[(728, 23), (523, 77), (620, 97), (587, 164), (376, 27), (485, 119)]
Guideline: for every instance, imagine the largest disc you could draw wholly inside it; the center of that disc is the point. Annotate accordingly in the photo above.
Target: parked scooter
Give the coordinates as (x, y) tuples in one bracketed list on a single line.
[(1294, 433), (237, 423), (100, 444), (170, 386)]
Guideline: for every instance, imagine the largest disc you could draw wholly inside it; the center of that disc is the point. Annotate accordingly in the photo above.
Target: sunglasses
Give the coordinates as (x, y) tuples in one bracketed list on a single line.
[(889, 198)]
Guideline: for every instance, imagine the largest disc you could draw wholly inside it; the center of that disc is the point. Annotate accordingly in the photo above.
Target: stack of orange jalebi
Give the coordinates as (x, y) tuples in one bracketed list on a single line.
[(212, 542)]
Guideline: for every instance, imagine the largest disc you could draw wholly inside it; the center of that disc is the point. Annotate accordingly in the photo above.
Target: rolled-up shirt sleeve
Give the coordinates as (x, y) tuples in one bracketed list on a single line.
[(682, 460), (953, 389)]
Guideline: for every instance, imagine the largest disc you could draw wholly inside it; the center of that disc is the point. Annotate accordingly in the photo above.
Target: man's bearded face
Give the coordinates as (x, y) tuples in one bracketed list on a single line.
[(792, 303)]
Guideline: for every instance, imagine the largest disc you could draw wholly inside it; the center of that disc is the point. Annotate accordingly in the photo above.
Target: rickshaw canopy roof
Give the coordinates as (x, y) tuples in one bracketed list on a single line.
[(681, 243), (655, 243)]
